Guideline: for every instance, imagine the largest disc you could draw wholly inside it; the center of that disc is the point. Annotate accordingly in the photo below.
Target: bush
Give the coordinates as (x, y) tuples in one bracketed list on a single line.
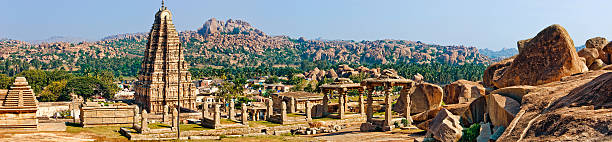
[(470, 134), (405, 122), (396, 124)]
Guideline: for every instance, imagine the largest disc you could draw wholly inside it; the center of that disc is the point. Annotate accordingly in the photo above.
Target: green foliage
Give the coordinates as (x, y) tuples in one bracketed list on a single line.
[(53, 91), (89, 87), (5, 81), (470, 134), (405, 122), (396, 124)]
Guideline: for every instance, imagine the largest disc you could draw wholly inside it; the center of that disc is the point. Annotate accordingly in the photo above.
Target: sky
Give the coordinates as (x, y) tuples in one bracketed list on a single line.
[(493, 24)]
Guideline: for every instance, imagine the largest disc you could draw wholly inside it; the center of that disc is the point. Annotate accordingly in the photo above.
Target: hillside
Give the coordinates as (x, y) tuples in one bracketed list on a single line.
[(232, 43)]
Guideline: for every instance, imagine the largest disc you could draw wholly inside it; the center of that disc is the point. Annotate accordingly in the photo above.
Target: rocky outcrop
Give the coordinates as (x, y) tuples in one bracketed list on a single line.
[(557, 111), (590, 54), (501, 109), (445, 127), (535, 65), (607, 54), (462, 91), (494, 71), (212, 26), (456, 109), (598, 43), (475, 112), (515, 92), (426, 96)]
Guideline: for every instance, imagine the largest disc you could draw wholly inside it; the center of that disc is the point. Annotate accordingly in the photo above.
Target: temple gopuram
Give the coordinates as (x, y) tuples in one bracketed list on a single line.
[(18, 107), (164, 70)]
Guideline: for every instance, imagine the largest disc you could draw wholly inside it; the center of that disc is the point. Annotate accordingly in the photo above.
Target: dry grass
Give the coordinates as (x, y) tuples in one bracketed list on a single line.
[(102, 132)]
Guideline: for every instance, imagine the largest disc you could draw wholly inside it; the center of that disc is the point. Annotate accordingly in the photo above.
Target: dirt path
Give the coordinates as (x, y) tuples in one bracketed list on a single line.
[(45, 137)]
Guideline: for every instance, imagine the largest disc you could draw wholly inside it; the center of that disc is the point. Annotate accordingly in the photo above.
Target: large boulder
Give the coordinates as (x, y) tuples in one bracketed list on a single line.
[(590, 54), (495, 70), (501, 109), (475, 112), (426, 96), (515, 92), (576, 108), (456, 109), (546, 58), (445, 127), (607, 54), (597, 43), (401, 102), (462, 91), (597, 64)]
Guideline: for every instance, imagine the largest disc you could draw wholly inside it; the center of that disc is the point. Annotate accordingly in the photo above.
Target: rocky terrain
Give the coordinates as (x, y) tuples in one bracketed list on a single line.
[(548, 92), (237, 43)]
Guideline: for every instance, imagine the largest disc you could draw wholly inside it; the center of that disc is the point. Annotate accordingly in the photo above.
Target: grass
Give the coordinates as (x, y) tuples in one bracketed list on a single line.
[(103, 131), (228, 121), (294, 115), (324, 119), (184, 127)]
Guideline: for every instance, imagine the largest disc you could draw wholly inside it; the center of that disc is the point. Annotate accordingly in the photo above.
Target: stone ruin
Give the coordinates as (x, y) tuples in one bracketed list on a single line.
[(18, 107)]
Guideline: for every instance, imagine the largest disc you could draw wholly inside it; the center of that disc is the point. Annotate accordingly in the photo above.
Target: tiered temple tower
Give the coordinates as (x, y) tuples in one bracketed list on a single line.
[(18, 107), (159, 76)]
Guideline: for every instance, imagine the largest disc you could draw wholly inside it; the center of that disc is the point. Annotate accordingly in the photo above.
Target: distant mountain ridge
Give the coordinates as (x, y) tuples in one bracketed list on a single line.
[(237, 43), (60, 39)]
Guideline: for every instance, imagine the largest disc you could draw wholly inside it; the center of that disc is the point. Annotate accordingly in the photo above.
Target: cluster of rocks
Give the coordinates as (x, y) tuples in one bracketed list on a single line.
[(541, 94), (344, 71), (317, 130)]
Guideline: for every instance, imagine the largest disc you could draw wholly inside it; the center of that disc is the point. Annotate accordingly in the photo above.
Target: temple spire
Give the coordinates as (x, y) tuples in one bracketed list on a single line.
[(163, 7)]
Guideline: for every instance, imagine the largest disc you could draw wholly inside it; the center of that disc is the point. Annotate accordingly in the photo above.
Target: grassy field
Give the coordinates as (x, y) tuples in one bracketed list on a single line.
[(105, 133)]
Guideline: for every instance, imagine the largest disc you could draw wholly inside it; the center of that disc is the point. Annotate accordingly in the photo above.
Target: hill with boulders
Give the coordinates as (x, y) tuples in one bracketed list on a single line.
[(548, 92), (237, 43)]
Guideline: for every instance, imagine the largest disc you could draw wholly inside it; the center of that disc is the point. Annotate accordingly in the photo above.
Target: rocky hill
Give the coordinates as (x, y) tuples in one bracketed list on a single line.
[(237, 43)]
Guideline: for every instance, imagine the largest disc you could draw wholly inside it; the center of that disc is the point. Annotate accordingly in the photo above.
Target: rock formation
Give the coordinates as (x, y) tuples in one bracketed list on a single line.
[(495, 70), (534, 65), (445, 127), (556, 111), (501, 109), (462, 91), (425, 97)]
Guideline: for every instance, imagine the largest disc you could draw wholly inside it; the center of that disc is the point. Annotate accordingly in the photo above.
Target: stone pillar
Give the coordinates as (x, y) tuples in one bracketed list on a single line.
[(165, 114), (388, 113), (270, 109), (370, 111), (244, 114), (325, 104), (175, 119), (361, 105), (407, 107), (232, 113), (308, 111), (135, 118), (283, 111), (292, 105), (217, 115), (341, 105), (204, 109), (144, 124)]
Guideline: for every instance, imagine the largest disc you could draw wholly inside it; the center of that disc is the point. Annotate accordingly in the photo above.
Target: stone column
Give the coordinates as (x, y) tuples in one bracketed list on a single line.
[(308, 111), (135, 118), (144, 124), (175, 119), (370, 111), (292, 105), (341, 105), (407, 107), (165, 114), (217, 116), (283, 111), (388, 113), (204, 109), (244, 114), (270, 109), (361, 105), (325, 104), (232, 114)]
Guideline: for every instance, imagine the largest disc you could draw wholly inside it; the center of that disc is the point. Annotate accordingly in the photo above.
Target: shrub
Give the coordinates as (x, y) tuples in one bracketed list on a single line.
[(470, 134), (405, 122)]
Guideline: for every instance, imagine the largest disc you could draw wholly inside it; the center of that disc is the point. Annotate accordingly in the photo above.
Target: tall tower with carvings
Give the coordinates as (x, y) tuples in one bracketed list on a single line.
[(164, 71)]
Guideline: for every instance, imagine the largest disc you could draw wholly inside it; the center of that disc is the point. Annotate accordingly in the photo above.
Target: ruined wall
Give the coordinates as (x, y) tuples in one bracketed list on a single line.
[(92, 116)]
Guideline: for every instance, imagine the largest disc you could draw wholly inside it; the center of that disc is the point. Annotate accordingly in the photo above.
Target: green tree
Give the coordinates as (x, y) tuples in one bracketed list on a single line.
[(53, 92)]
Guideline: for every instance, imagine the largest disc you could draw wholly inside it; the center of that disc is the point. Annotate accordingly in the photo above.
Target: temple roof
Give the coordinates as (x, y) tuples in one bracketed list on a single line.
[(20, 96)]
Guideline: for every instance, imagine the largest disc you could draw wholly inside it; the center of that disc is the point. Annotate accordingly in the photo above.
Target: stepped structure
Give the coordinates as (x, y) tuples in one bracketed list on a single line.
[(164, 70), (18, 107)]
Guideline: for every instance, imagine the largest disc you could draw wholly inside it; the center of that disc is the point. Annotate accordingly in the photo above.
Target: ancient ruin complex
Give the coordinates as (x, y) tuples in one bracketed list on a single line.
[(18, 107)]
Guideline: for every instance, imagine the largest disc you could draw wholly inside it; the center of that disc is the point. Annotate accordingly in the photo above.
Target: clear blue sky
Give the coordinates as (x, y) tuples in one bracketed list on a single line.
[(492, 24)]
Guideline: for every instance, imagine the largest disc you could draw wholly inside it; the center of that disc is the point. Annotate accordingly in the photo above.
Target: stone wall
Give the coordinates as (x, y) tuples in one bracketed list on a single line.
[(48, 109), (92, 116)]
